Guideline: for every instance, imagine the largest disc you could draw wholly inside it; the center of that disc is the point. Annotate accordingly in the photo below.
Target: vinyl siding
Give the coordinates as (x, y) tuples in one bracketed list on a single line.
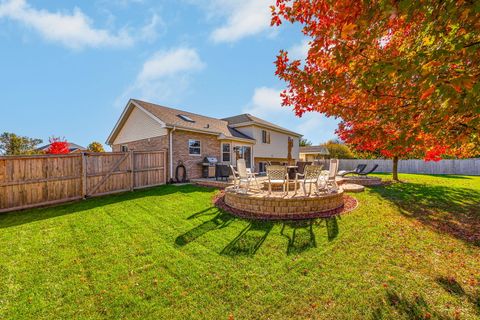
[(139, 126), (278, 146)]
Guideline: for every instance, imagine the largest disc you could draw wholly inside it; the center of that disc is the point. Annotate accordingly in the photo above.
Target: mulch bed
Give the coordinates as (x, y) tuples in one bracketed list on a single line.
[(350, 203)]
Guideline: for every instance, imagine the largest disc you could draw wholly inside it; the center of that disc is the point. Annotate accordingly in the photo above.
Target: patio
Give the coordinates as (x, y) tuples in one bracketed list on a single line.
[(278, 205)]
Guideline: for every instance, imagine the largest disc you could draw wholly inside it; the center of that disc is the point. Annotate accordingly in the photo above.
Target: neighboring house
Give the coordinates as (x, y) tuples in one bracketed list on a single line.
[(189, 137), (72, 147), (312, 153)]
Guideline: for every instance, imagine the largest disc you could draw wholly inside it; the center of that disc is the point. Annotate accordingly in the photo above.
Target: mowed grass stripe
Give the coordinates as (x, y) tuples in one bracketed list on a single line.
[(167, 253)]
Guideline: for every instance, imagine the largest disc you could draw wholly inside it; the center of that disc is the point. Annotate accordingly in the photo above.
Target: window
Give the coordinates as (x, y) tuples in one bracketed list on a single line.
[(262, 166), (124, 148), (194, 147), (265, 136), (186, 118), (244, 152), (226, 152)]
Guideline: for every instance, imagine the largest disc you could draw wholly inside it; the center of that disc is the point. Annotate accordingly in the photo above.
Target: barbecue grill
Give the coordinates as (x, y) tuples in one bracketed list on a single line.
[(222, 171), (208, 167)]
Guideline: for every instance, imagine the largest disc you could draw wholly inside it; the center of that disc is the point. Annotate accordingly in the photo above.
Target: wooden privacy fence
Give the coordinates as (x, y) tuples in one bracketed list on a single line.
[(31, 181), (460, 166)]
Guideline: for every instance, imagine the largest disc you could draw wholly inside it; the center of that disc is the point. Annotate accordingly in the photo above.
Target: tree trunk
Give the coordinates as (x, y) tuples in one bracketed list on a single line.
[(395, 168)]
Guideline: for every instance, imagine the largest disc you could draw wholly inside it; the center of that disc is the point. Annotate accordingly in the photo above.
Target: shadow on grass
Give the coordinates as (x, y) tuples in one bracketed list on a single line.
[(453, 287), (449, 176), (31, 215), (302, 237), (249, 240), (455, 211), (332, 228), (220, 220), (396, 304)]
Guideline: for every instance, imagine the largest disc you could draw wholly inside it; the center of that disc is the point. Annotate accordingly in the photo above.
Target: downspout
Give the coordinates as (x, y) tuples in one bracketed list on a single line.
[(170, 152)]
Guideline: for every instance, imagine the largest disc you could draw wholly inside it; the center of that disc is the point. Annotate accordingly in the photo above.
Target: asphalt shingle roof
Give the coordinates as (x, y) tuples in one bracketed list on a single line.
[(171, 117), (248, 118), (315, 149)]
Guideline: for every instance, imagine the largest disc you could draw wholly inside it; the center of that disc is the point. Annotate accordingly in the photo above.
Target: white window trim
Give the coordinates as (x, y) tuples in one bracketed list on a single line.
[(194, 154), (229, 152)]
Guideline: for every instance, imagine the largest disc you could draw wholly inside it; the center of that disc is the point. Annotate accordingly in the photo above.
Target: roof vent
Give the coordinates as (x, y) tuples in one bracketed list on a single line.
[(207, 126), (185, 118)]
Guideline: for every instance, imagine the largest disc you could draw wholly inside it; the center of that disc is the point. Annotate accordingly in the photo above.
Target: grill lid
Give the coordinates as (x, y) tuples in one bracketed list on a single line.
[(209, 160)]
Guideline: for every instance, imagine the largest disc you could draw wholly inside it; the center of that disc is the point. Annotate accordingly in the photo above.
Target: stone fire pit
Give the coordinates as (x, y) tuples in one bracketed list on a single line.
[(281, 206)]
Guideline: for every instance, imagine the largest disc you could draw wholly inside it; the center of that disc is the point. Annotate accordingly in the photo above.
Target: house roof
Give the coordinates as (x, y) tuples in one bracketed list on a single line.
[(315, 150), (248, 119), (71, 146), (176, 118), (170, 117)]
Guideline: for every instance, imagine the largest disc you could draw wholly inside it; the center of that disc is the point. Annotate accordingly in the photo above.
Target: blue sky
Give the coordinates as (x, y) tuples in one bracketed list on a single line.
[(69, 67)]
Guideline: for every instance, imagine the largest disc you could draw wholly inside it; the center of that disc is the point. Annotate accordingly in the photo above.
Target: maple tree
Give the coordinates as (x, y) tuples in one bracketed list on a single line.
[(58, 146), (95, 146), (12, 144), (402, 75)]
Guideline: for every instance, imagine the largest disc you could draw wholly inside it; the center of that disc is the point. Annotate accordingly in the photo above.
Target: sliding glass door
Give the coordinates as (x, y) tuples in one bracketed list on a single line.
[(244, 152)]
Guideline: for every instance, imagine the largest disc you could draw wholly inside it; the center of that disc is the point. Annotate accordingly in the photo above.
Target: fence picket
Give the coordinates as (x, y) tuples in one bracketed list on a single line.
[(38, 180)]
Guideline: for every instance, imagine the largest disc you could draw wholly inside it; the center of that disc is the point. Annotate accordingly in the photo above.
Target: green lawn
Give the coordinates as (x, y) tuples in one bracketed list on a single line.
[(410, 250)]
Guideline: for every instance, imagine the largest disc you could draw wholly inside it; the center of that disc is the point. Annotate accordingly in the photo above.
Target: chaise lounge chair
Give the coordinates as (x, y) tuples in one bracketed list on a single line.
[(369, 171), (357, 170)]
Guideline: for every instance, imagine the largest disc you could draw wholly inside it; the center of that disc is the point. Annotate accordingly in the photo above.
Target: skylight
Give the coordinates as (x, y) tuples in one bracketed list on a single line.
[(186, 118)]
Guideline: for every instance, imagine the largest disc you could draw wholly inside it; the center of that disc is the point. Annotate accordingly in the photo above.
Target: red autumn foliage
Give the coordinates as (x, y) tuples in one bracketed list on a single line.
[(403, 81), (58, 146)]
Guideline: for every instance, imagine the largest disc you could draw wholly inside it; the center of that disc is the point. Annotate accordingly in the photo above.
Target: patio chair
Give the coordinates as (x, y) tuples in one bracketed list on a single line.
[(310, 176), (328, 181), (277, 175), (301, 166), (357, 170), (369, 171), (242, 174)]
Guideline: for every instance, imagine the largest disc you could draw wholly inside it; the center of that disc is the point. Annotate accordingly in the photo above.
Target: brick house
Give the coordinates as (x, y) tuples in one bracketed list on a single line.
[(189, 137)]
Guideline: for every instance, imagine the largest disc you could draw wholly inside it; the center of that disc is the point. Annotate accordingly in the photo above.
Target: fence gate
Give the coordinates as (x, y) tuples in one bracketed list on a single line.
[(32, 181), (113, 172), (106, 173)]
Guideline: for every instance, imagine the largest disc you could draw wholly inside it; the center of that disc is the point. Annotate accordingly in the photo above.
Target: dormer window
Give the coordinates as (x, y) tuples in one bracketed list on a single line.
[(185, 118)]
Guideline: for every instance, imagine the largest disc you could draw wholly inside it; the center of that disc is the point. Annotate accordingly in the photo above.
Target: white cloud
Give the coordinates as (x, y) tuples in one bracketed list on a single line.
[(244, 18), (299, 51), (266, 104), (74, 30), (149, 32), (165, 75)]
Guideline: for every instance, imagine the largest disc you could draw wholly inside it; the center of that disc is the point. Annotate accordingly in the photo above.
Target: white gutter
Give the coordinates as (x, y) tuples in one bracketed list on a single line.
[(170, 151)]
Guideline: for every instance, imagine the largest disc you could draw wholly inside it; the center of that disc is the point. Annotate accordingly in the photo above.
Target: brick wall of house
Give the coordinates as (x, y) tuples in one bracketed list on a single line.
[(210, 146), (150, 144), (156, 143)]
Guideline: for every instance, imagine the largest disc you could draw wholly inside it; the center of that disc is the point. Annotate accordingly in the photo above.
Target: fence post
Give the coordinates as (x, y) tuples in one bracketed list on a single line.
[(165, 155), (84, 175), (132, 170)]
